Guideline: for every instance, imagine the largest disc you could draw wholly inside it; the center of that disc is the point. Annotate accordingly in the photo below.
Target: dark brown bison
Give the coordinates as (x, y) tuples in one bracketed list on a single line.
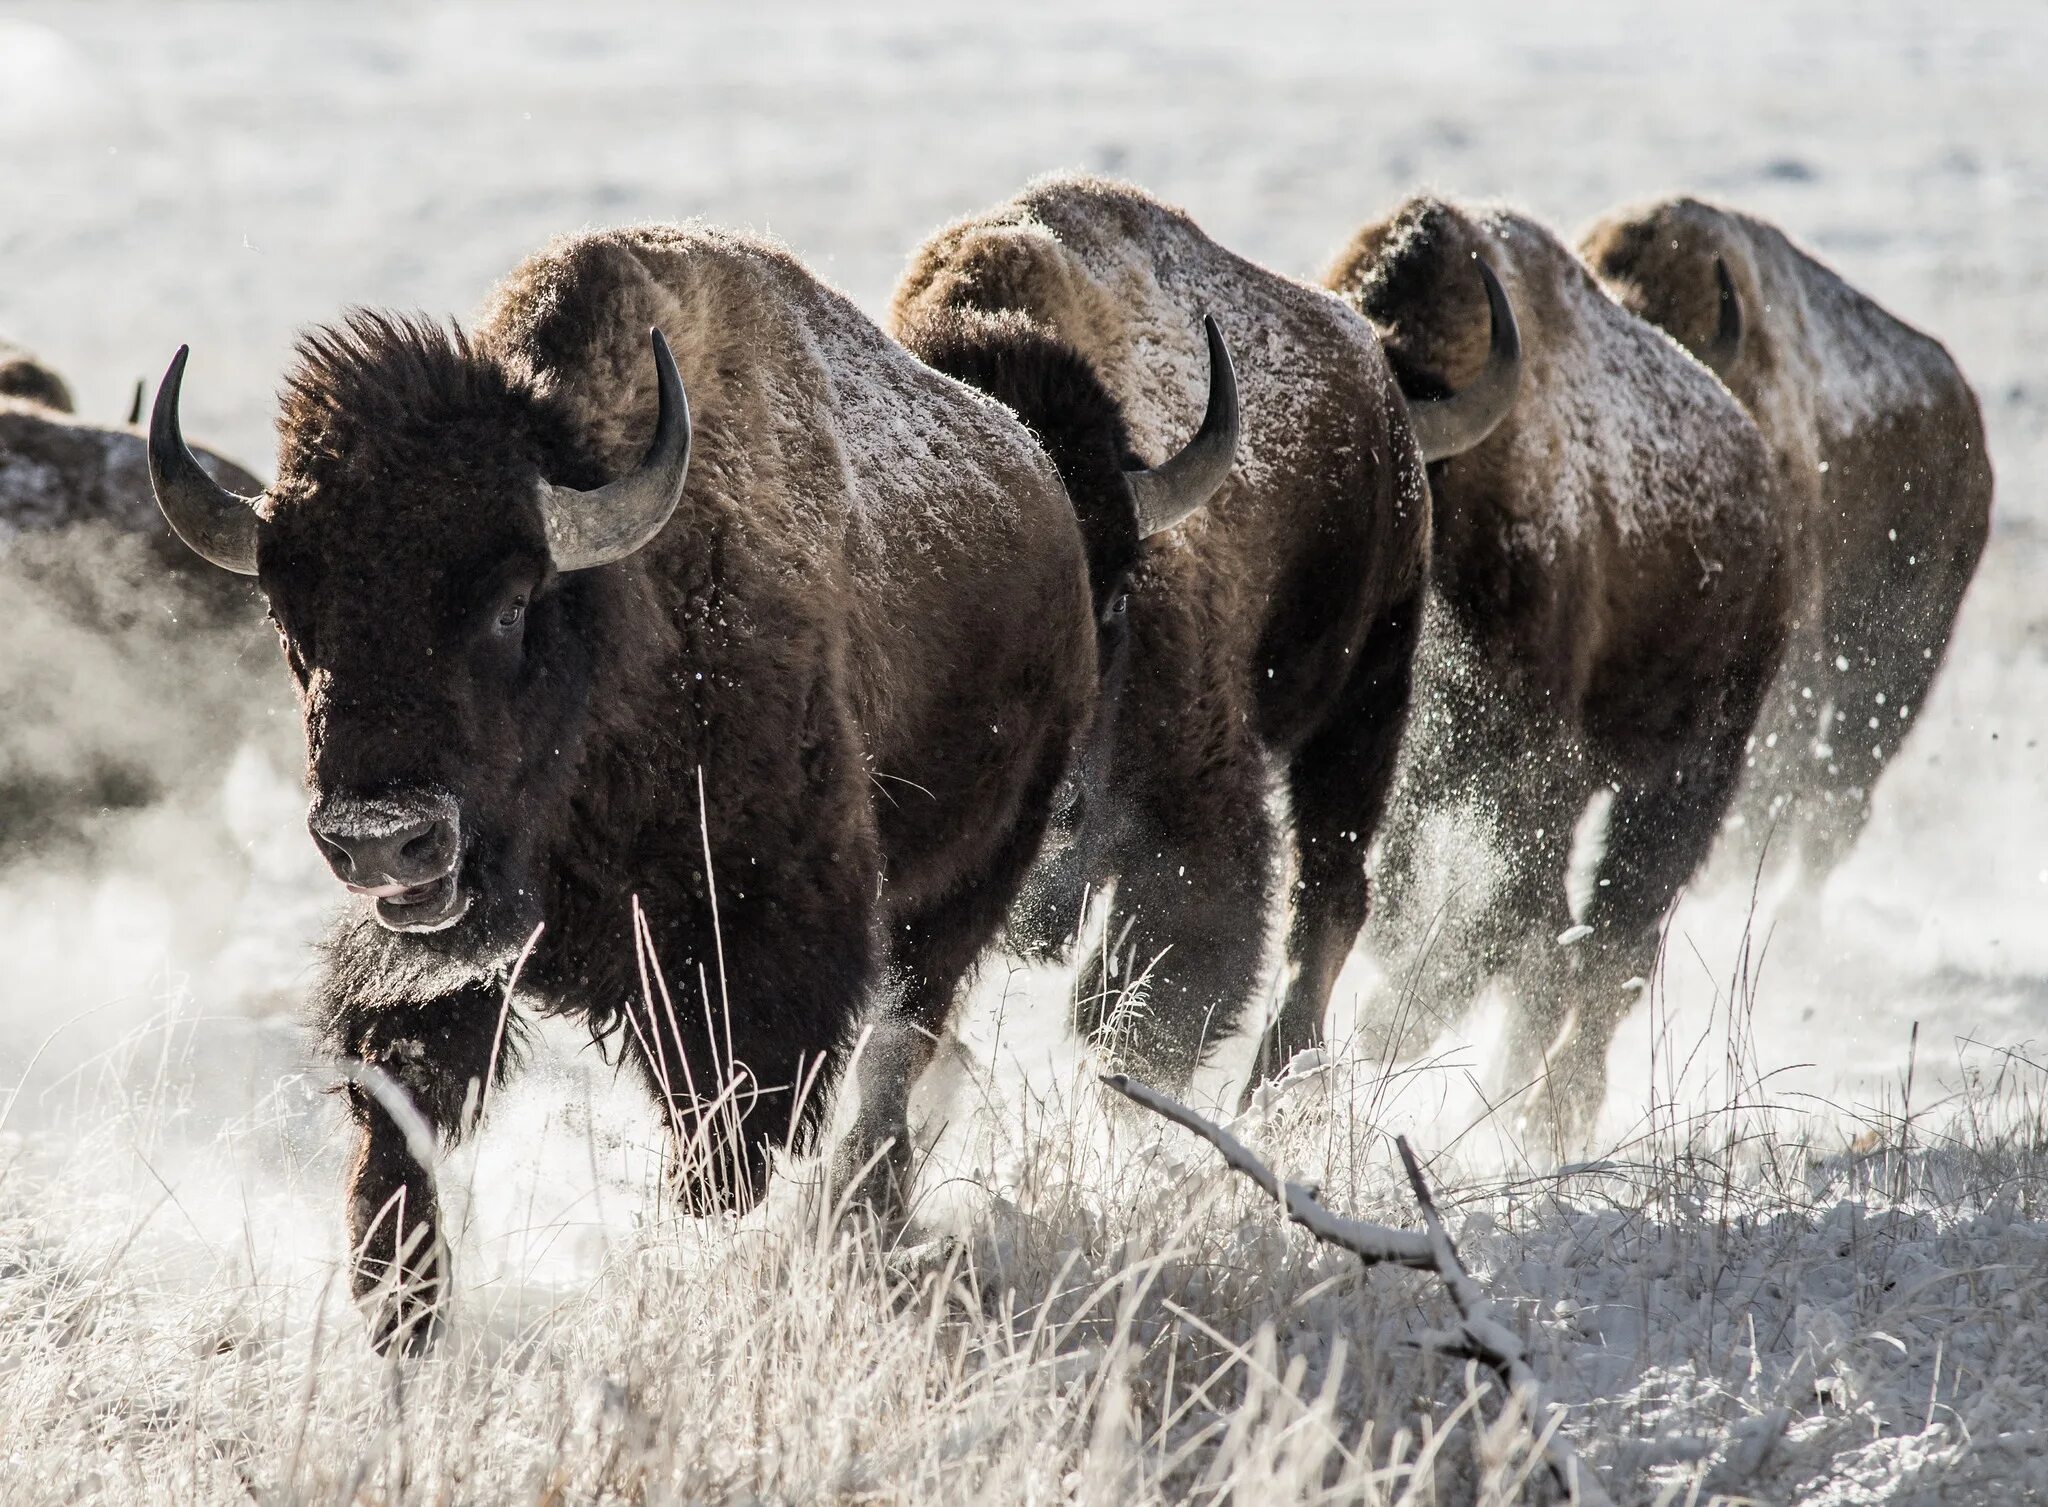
[(131, 673), (1609, 603), (25, 377), (790, 671), (1267, 636), (1879, 453)]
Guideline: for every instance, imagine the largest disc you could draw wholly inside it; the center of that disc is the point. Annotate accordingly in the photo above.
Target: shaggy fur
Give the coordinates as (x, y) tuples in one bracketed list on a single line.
[(1881, 464), (99, 592), (864, 637), (1609, 606), (1270, 636)]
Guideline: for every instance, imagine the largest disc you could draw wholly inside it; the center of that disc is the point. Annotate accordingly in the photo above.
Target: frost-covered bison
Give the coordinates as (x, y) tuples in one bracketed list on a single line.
[(788, 667), (1879, 452), (129, 673), (1609, 603), (1269, 633)]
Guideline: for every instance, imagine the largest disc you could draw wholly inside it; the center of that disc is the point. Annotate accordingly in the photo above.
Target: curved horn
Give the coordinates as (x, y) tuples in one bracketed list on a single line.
[(1719, 356), (216, 524), (1167, 493), (607, 523), (1450, 426)]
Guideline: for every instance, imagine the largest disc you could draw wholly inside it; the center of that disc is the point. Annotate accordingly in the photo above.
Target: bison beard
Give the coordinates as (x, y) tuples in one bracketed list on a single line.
[(685, 760)]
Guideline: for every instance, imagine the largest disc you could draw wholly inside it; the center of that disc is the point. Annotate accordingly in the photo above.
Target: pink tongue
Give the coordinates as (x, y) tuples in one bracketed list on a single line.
[(379, 891)]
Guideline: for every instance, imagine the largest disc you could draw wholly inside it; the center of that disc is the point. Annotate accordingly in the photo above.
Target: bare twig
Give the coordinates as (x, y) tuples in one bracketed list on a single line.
[(1479, 1336)]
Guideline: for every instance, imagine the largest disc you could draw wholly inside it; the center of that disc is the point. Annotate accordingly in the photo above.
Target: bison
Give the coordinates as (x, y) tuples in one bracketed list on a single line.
[(24, 377), (1609, 603), (1264, 639), (770, 684), (112, 627), (1878, 449)]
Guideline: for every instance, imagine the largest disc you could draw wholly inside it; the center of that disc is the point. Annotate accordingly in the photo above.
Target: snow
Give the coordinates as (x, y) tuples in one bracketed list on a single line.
[(1778, 1282)]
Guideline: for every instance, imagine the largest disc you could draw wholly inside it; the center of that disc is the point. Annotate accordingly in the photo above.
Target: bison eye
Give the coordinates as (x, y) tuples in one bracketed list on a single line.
[(509, 616)]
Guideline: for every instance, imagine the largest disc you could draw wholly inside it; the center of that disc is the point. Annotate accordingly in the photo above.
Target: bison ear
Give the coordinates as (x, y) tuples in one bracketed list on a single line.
[(1450, 426), (608, 523), (216, 524), (1168, 493)]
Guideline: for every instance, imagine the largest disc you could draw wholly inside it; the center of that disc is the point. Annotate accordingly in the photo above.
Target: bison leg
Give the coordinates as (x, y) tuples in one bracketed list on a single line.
[(735, 1030), (1470, 876), (417, 1076), (932, 953), (1184, 944), (874, 1167), (1658, 834), (1878, 667), (1338, 786)]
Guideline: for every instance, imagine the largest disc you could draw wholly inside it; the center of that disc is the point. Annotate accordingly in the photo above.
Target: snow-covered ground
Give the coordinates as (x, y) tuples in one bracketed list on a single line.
[(1817, 1289)]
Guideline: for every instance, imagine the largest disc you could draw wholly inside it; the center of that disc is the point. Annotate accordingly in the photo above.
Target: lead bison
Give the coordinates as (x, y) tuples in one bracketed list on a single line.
[(1608, 607), (790, 670), (131, 673), (1879, 453), (1267, 636)]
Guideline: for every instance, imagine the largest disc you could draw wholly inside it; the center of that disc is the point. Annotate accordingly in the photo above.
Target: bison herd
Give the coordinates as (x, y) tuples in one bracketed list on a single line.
[(680, 651)]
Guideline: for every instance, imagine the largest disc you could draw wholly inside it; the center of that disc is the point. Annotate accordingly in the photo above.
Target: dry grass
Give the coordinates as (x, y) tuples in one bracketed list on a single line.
[(1735, 1301)]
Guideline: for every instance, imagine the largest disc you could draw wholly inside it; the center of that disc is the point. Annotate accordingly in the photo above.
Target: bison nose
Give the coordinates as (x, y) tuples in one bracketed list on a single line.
[(375, 848)]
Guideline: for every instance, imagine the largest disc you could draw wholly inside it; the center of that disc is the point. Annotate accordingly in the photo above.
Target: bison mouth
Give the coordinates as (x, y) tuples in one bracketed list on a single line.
[(435, 905)]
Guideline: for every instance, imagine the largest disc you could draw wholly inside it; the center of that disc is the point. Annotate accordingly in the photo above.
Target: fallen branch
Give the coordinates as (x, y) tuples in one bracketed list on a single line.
[(1479, 1336)]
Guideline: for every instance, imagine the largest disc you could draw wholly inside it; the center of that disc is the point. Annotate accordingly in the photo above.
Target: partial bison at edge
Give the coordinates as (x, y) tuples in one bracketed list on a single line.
[(1608, 607), (1269, 630), (1882, 470), (112, 625), (778, 646)]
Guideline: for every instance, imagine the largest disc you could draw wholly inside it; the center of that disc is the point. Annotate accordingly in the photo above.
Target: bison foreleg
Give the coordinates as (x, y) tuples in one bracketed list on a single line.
[(415, 1078), (1338, 786)]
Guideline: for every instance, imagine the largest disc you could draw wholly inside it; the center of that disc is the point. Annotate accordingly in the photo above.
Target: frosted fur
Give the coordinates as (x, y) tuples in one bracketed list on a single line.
[(795, 394), (1836, 363), (1621, 435), (1847, 363), (1133, 276), (1608, 606), (1271, 633), (1883, 481), (905, 434)]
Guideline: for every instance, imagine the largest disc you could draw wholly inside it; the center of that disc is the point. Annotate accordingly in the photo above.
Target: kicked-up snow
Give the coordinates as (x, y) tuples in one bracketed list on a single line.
[(1789, 1278)]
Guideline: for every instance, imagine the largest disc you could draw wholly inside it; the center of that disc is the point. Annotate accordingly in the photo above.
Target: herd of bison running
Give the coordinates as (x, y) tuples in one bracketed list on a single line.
[(680, 651)]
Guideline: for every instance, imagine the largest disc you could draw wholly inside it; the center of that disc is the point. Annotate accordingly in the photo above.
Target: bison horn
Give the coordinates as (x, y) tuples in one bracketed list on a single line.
[(607, 523), (1450, 426), (1167, 493), (1719, 356), (217, 525)]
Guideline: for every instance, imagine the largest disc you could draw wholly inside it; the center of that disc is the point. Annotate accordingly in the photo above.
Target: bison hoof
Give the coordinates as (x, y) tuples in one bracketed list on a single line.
[(403, 1310)]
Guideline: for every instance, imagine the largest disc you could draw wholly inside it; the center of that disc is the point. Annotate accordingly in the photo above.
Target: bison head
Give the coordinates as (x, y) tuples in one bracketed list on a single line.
[(1412, 276), (433, 570), (1676, 264)]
